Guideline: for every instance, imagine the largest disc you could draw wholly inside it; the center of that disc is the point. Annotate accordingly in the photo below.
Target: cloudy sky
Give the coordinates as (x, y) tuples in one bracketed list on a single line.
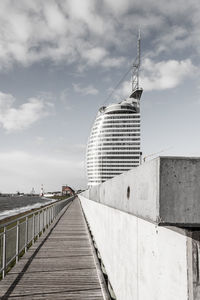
[(59, 60)]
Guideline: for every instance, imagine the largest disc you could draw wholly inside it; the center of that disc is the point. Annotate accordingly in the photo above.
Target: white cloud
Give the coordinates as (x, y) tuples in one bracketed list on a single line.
[(22, 117), (88, 90), (64, 98), (165, 74), (122, 92), (58, 30), (159, 76), (86, 12), (94, 55), (40, 140), (113, 62), (89, 33), (55, 18)]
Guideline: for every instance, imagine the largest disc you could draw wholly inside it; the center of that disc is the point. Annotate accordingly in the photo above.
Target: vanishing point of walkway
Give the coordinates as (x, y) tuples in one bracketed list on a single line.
[(61, 265)]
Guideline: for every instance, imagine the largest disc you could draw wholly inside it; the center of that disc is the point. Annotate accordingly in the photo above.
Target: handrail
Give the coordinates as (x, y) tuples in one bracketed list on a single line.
[(15, 240), (35, 211)]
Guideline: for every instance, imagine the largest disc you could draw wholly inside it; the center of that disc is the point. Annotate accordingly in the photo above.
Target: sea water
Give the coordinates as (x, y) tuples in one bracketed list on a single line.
[(12, 205)]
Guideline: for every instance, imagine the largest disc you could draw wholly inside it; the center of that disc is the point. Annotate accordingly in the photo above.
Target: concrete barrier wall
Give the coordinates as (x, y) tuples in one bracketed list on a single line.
[(165, 190), (179, 199), (144, 261)]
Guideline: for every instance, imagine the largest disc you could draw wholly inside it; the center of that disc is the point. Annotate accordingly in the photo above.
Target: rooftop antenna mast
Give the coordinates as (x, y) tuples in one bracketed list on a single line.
[(136, 66)]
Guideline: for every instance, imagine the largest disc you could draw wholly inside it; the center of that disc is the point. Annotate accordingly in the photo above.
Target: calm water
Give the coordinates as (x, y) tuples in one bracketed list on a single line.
[(10, 206)]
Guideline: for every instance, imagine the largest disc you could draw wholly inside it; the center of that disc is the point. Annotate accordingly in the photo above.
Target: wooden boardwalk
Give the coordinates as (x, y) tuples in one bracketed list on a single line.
[(61, 265)]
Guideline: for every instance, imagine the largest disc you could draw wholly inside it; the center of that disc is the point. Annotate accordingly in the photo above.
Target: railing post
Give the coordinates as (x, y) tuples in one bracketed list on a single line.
[(26, 235), (46, 219), (38, 224), (4, 252), (42, 220), (33, 230), (17, 242)]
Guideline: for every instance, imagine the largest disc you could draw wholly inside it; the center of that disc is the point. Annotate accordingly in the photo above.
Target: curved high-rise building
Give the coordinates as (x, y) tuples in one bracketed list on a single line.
[(114, 142)]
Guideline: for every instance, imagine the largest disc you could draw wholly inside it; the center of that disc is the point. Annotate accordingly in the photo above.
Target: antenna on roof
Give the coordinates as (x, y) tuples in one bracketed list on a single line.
[(136, 65), (136, 90), (138, 55), (135, 68)]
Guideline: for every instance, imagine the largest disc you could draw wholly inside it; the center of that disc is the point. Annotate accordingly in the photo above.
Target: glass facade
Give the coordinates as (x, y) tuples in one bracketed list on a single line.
[(114, 143)]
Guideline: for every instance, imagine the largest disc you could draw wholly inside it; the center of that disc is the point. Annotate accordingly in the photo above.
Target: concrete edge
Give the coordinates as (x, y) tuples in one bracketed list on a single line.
[(190, 268), (100, 275), (159, 191)]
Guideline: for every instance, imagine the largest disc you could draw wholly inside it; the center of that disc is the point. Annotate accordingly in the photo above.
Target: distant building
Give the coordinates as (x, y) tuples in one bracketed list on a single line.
[(114, 143), (52, 194), (67, 191)]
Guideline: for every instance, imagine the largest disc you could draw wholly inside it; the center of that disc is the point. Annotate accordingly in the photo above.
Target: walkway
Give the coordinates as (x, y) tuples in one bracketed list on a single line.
[(61, 265)]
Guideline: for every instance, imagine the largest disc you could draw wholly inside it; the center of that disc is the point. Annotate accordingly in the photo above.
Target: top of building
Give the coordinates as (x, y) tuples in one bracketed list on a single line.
[(133, 101)]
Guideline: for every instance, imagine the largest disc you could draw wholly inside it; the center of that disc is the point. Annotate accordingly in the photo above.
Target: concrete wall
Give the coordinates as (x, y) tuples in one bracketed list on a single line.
[(165, 190), (144, 261), (180, 191)]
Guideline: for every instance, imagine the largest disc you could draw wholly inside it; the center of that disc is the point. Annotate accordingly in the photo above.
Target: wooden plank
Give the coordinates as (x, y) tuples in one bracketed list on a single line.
[(60, 265)]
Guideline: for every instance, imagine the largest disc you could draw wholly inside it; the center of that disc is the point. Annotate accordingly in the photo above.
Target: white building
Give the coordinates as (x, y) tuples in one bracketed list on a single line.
[(114, 143)]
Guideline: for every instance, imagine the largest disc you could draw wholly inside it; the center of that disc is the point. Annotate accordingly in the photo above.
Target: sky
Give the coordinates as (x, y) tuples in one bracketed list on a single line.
[(60, 59)]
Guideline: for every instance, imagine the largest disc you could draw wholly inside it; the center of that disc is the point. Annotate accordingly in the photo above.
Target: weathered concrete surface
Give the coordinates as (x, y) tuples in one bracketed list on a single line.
[(144, 261), (180, 191), (165, 190)]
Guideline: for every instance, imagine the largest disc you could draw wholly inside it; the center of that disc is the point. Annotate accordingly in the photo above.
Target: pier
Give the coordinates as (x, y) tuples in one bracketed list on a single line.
[(143, 225), (62, 264)]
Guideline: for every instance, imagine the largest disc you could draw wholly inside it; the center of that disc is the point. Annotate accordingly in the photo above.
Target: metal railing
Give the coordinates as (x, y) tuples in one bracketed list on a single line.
[(19, 234)]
